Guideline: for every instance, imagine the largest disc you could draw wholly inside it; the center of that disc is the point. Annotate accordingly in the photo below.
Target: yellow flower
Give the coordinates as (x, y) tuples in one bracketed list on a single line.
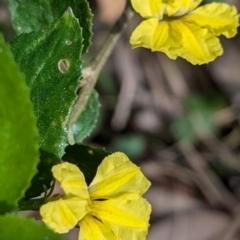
[(180, 28), (111, 208)]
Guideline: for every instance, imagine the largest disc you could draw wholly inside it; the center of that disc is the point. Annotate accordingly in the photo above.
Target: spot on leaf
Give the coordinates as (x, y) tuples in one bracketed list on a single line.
[(63, 65)]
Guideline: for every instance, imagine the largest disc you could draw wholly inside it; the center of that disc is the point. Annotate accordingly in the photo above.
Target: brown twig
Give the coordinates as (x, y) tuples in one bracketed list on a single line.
[(213, 188), (129, 77), (231, 231), (222, 152)]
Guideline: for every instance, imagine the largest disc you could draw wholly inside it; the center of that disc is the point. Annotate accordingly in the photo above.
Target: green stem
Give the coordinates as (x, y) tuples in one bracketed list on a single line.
[(91, 73), (32, 204), (35, 204)]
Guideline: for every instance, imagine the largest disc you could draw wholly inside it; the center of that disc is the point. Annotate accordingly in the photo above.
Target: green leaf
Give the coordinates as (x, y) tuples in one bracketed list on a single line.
[(18, 133), (51, 62), (88, 118), (15, 227), (200, 110), (208, 103), (133, 145), (182, 129), (43, 178), (86, 158), (28, 16), (198, 121), (202, 123)]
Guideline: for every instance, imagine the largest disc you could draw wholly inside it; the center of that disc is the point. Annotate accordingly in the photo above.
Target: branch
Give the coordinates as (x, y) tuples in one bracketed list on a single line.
[(91, 73)]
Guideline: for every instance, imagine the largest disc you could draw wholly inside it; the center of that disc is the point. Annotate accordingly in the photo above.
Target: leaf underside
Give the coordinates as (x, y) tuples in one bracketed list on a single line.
[(88, 119)]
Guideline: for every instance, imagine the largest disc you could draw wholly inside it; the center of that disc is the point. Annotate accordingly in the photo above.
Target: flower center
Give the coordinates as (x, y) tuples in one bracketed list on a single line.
[(168, 19)]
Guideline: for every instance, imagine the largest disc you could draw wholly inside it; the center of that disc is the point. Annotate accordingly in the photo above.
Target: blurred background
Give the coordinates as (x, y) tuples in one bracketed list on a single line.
[(178, 122)]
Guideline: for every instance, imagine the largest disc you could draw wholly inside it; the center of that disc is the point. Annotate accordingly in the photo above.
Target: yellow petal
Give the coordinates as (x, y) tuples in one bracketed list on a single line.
[(180, 7), (157, 36), (127, 218), (154, 35), (93, 229), (166, 39), (219, 18), (142, 36), (117, 175), (63, 214), (71, 179), (199, 45), (148, 8), (160, 38)]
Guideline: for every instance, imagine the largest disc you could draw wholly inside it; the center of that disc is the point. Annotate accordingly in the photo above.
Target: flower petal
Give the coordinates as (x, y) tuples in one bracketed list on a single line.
[(92, 228), (180, 7), (152, 34), (71, 179), (148, 8), (219, 18), (128, 219), (142, 36), (117, 175), (199, 45), (166, 39), (63, 214), (158, 36)]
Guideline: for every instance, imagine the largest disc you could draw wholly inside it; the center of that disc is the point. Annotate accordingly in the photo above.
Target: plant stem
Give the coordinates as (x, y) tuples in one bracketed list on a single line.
[(91, 73)]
